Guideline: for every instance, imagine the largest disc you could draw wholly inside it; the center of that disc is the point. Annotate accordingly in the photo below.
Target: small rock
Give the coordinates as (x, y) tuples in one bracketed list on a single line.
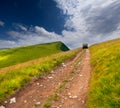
[(65, 98), (5, 102), (41, 85), (57, 94), (69, 93), (2, 106), (52, 71), (60, 105), (13, 100), (50, 77), (34, 100), (81, 75), (37, 103), (70, 96), (25, 101), (63, 65), (83, 101), (38, 84), (74, 97)]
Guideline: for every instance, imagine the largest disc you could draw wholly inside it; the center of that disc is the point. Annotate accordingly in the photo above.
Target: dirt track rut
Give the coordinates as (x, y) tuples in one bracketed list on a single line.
[(75, 93)]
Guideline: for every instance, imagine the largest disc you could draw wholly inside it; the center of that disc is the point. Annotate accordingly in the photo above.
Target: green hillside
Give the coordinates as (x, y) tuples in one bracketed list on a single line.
[(105, 83), (14, 79), (22, 54)]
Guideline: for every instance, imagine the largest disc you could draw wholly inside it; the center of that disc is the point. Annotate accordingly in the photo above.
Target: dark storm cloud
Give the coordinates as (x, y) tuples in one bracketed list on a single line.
[(106, 20)]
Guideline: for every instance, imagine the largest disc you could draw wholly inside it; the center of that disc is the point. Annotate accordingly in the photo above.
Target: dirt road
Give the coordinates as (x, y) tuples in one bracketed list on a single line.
[(76, 93), (64, 87)]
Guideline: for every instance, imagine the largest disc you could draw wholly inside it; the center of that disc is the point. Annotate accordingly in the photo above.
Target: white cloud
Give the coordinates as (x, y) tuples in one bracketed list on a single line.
[(90, 20), (2, 23), (20, 26), (14, 34), (34, 35), (42, 32), (87, 21), (7, 43)]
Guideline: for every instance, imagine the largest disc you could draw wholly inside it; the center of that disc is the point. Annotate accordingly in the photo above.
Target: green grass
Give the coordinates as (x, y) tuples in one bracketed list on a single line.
[(14, 56), (16, 78), (105, 83)]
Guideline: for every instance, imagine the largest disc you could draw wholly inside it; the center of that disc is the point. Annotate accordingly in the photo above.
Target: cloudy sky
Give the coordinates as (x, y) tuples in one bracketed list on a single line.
[(27, 22)]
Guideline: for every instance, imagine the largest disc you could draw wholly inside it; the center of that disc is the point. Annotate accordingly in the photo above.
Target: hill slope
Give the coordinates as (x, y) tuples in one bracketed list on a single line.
[(22, 54), (15, 78), (105, 82)]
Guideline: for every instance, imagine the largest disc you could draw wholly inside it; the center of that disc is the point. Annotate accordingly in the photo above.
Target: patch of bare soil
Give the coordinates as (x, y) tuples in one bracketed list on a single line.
[(37, 92)]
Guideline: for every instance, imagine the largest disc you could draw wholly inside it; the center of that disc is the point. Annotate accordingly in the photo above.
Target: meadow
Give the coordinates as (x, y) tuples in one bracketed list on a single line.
[(105, 82), (15, 79), (13, 56)]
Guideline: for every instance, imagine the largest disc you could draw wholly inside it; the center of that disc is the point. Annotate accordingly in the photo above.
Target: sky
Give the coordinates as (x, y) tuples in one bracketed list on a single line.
[(27, 22)]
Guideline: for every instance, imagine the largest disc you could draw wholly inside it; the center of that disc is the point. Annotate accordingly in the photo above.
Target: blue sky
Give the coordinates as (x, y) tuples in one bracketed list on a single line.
[(26, 22), (32, 12)]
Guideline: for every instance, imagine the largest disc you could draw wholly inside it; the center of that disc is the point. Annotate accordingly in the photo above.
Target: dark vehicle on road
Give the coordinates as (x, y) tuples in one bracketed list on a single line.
[(85, 46)]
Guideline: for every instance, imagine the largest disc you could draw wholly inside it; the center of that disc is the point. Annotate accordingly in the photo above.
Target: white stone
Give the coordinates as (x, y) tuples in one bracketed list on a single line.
[(60, 105), (5, 102), (38, 84), (41, 85), (74, 97), (25, 101), (69, 93), (81, 75), (63, 64), (34, 100), (83, 101), (13, 100), (37, 103), (52, 71), (50, 77), (70, 96), (2, 106)]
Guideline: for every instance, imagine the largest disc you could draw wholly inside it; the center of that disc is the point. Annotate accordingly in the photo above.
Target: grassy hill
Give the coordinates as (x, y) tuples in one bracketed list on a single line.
[(105, 82), (14, 79), (14, 56)]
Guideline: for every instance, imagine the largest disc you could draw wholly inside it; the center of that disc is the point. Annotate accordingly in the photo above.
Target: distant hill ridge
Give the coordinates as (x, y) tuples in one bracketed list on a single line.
[(18, 55)]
